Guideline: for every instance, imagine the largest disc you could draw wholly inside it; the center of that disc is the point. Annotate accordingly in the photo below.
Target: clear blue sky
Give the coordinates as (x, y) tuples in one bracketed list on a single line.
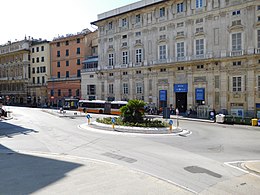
[(49, 18)]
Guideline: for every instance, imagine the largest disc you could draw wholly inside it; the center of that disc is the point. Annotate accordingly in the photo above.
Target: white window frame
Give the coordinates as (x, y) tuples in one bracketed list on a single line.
[(125, 57), (110, 59), (137, 18), (179, 7), (199, 47), (162, 12), (237, 83), (139, 55), (125, 88), (199, 4), (258, 38), (162, 52), (235, 44), (180, 49), (110, 25), (124, 22), (139, 88)]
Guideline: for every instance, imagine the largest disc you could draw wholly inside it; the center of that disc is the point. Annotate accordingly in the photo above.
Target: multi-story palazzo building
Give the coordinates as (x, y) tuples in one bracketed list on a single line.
[(198, 54), (40, 70), (67, 54), (15, 72)]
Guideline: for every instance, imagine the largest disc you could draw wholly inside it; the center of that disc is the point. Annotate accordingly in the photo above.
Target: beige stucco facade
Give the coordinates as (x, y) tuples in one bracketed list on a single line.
[(40, 71), (204, 53)]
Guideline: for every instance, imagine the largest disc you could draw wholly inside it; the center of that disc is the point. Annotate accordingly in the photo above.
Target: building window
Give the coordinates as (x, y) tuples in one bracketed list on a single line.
[(125, 57), (237, 83), (124, 44), (200, 66), (199, 47), (58, 75), (91, 76), (52, 92), (124, 22), (258, 19), (110, 40), (58, 44), (199, 30), (78, 73), (162, 12), (258, 39), (258, 7), (58, 53), (236, 42), (237, 12), (180, 68), (38, 80), (163, 70), (137, 34), (237, 63), (37, 49), (124, 73), (180, 50), (199, 20), (78, 40), (180, 24), (67, 43), (138, 72), (37, 59), (67, 74), (110, 25), (59, 92), (67, 52), (138, 55), (111, 59), (33, 70), (111, 74), (43, 79), (78, 50), (110, 88), (179, 7), (33, 60), (38, 69), (58, 63), (70, 92), (33, 50), (77, 92), (67, 63), (42, 59), (139, 88), (199, 3), (162, 52), (91, 89), (137, 18), (78, 61), (125, 88), (124, 36), (42, 48), (33, 80)]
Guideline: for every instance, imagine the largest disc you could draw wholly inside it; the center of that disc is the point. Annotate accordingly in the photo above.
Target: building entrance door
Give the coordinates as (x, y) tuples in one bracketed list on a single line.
[(181, 102)]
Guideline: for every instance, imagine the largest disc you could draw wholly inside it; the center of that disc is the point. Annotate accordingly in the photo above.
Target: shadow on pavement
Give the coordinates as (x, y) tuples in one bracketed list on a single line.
[(10, 130), (25, 174)]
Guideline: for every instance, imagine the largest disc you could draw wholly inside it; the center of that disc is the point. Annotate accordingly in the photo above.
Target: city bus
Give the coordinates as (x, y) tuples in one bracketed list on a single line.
[(116, 105), (101, 106), (70, 103)]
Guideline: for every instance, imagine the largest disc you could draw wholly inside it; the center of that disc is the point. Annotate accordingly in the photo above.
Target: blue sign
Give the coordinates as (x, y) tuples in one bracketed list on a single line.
[(257, 105), (200, 94), (178, 88), (163, 95), (170, 122), (88, 116), (113, 120)]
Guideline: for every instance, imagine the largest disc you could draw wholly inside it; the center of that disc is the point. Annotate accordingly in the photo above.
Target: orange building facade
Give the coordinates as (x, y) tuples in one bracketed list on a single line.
[(67, 54)]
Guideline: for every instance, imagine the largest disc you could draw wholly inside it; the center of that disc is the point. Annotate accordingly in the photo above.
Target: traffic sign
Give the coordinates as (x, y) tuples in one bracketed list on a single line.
[(170, 122), (113, 120), (88, 116)]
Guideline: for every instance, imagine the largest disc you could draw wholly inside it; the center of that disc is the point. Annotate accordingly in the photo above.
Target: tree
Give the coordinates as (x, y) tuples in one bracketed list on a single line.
[(133, 111)]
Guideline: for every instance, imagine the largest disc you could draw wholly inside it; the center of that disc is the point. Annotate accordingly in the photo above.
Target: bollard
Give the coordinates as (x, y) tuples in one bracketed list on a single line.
[(170, 123), (113, 123), (88, 121), (88, 117)]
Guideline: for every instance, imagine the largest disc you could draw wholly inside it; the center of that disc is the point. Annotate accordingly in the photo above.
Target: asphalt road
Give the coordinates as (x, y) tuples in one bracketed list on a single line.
[(201, 162)]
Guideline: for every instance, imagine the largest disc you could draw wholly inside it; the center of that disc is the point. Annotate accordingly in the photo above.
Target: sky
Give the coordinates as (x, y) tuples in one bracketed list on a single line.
[(47, 19)]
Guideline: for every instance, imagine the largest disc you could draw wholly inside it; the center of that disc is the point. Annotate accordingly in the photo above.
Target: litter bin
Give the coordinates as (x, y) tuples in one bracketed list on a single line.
[(254, 122), (220, 118)]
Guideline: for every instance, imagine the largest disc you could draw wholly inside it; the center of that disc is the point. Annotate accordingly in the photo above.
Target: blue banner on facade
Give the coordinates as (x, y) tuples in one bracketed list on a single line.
[(200, 93), (181, 87), (163, 95)]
